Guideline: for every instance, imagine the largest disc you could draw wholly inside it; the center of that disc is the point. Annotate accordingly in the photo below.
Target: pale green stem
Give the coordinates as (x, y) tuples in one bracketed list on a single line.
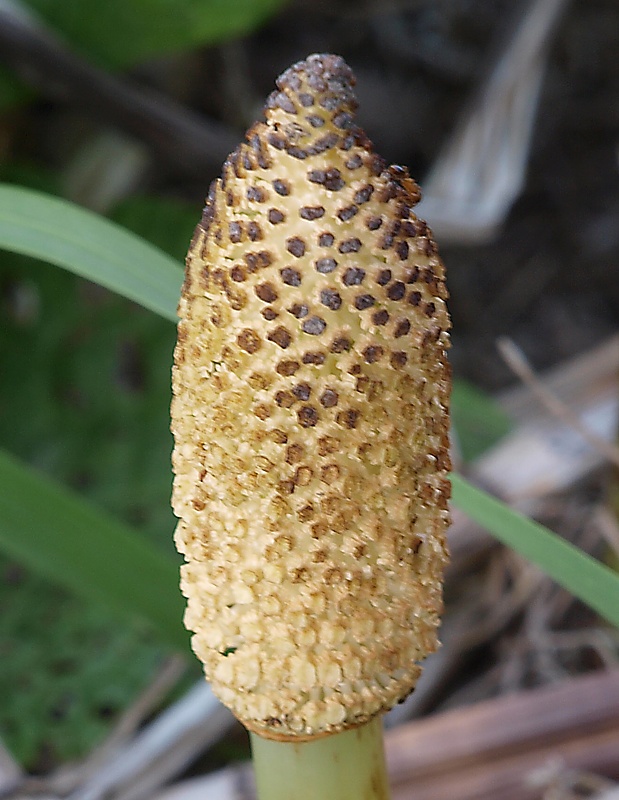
[(345, 766)]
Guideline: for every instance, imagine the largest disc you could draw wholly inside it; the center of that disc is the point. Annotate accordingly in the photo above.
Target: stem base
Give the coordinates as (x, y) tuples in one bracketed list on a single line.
[(344, 766)]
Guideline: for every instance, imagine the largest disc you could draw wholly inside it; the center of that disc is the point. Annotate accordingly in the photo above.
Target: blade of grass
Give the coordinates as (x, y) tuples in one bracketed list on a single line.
[(71, 237), (579, 573), (53, 531)]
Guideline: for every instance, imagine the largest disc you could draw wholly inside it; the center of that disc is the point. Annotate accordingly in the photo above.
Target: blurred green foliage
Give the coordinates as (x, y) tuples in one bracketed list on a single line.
[(84, 396), (66, 669), (164, 222), (120, 32), (86, 390)]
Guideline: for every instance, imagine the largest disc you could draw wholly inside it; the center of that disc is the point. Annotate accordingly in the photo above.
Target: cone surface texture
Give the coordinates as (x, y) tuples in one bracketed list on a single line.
[(310, 417)]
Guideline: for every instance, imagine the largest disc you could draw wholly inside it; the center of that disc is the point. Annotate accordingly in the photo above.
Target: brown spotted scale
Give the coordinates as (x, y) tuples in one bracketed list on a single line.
[(310, 417)]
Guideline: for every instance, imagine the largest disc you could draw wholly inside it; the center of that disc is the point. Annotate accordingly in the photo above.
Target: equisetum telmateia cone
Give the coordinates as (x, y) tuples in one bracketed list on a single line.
[(310, 416)]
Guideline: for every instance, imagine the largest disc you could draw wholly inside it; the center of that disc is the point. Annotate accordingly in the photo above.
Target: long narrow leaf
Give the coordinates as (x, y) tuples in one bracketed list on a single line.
[(583, 576), (58, 534), (64, 234)]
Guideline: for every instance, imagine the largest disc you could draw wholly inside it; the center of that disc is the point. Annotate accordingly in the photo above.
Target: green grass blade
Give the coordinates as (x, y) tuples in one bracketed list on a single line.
[(64, 234), (56, 533), (583, 576)]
